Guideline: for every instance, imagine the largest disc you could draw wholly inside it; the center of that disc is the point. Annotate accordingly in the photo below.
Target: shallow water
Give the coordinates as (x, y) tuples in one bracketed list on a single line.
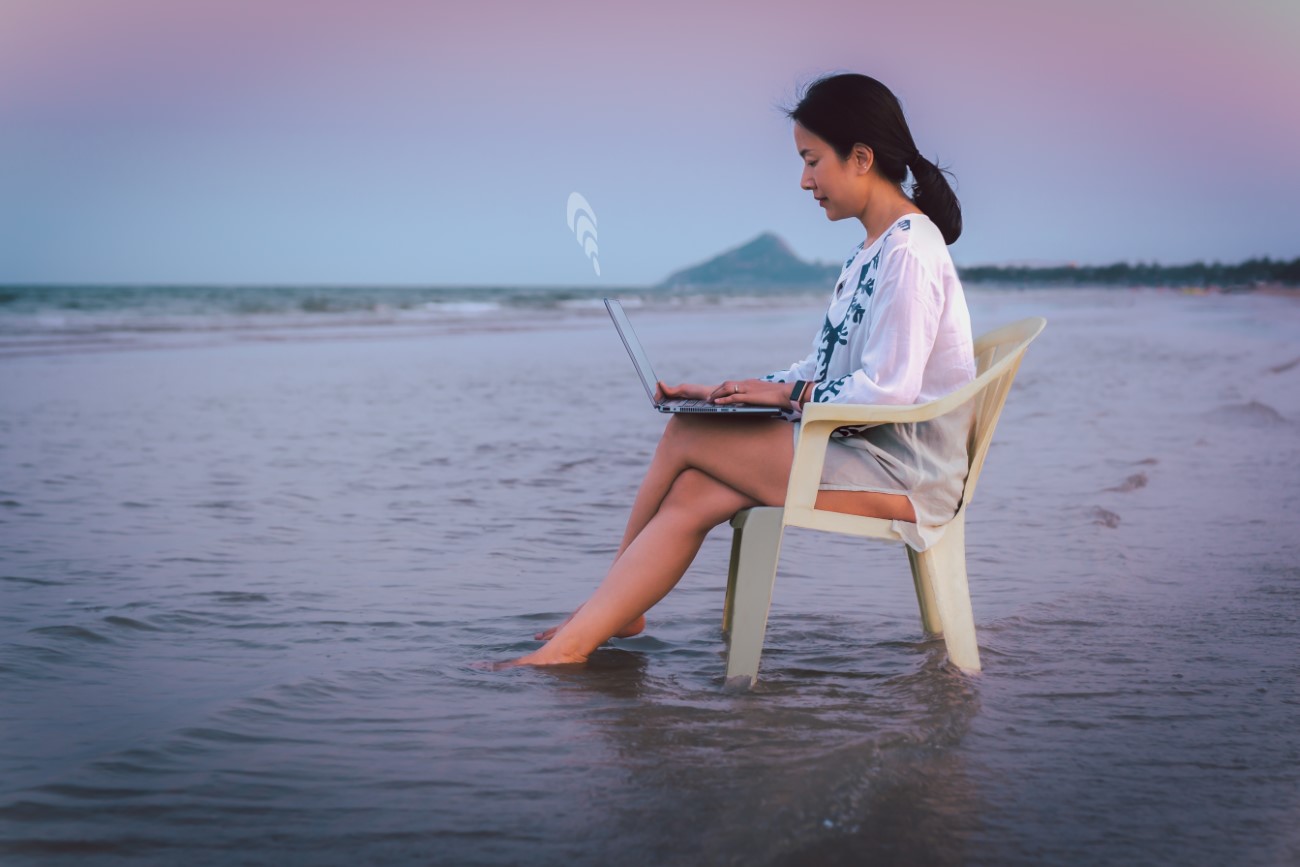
[(244, 585)]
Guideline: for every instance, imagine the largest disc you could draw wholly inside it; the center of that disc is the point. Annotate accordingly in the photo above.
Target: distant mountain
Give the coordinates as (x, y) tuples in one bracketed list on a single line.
[(765, 261)]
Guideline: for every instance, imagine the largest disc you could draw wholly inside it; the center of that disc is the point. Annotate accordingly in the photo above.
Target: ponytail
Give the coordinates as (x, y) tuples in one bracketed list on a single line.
[(932, 193)]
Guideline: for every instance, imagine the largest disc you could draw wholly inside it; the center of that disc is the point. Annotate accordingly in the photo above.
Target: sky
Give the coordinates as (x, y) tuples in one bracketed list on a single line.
[(386, 142)]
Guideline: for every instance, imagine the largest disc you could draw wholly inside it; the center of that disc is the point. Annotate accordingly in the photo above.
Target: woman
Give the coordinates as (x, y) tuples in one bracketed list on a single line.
[(897, 332)]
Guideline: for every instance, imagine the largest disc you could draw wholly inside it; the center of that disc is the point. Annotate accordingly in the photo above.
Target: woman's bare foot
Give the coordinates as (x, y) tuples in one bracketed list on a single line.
[(540, 657), (633, 627)]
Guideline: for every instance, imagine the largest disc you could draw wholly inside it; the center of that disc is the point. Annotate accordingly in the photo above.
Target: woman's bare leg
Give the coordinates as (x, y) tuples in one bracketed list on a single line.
[(871, 504), (751, 457), (707, 443), (649, 567), (635, 626)]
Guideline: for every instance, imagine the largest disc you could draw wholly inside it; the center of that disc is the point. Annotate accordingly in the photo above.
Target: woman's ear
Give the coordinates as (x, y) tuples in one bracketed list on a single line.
[(863, 158)]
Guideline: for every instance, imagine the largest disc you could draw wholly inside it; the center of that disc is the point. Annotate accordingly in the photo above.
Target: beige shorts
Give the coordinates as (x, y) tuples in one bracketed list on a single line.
[(854, 469)]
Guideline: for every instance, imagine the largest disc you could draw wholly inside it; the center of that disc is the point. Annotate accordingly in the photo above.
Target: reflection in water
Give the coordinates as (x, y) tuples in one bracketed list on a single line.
[(827, 767)]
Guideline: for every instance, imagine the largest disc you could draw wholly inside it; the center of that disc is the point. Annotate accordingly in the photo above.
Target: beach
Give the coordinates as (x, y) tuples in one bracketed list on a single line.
[(248, 571)]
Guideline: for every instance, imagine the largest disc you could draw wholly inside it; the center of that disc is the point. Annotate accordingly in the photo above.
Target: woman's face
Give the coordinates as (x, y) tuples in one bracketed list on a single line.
[(838, 184)]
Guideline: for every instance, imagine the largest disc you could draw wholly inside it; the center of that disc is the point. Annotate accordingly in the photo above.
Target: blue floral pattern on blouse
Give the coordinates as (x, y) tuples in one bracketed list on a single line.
[(834, 335)]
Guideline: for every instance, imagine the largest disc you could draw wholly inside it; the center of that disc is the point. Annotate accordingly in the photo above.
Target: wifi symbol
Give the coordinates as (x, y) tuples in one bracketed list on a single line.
[(582, 222)]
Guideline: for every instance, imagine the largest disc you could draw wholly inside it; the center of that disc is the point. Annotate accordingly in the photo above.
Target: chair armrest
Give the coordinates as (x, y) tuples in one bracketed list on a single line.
[(862, 413), (820, 419), (842, 414)]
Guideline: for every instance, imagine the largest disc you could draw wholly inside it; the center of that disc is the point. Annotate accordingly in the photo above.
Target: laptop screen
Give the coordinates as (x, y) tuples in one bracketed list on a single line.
[(639, 359)]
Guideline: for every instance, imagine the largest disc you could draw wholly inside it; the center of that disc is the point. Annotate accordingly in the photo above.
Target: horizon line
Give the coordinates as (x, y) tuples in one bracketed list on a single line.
[(156, 284)]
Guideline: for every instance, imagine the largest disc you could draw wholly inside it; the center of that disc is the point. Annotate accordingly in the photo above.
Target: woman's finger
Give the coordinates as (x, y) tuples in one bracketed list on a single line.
[(725, 393)]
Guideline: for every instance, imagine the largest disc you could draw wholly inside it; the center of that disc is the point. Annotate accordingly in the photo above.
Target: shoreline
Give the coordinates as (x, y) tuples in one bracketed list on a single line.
[(52, 334)]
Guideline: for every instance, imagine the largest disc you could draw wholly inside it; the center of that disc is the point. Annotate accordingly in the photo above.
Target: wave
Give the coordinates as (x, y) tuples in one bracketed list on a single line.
[(54, 319)]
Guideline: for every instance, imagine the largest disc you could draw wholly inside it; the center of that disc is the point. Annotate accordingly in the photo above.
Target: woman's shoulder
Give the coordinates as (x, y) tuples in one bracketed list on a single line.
[(916, 233), (917, 239), (916, 255)]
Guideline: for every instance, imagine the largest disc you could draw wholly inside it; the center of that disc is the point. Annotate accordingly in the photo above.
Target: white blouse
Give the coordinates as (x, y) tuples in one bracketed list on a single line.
[(897, 331)]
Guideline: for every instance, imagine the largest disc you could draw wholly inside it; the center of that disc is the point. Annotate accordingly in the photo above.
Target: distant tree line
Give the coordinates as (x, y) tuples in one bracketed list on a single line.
[(1252, 272)]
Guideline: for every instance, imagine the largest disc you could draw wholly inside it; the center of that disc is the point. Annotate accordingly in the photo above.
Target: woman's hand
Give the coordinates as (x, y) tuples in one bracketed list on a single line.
[(752, 392), (685, 391)]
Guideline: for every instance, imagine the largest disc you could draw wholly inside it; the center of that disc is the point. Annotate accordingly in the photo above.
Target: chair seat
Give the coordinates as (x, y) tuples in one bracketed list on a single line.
[(839, 522)]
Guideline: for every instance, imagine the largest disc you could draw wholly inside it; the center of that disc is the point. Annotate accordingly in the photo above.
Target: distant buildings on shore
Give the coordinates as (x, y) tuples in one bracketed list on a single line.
[(1245, 275)]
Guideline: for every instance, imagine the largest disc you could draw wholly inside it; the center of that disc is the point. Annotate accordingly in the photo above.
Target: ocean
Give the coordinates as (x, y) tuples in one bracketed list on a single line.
[(36, 319), (255, 544)]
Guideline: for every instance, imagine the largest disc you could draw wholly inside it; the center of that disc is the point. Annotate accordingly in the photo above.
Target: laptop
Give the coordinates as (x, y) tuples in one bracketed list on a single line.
[(648, 378)]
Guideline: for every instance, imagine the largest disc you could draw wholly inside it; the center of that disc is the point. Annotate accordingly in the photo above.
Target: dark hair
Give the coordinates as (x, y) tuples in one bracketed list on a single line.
[(848, 108)]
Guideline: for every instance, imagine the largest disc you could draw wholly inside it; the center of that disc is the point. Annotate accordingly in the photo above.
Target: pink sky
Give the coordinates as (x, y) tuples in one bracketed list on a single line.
[(339, 142)]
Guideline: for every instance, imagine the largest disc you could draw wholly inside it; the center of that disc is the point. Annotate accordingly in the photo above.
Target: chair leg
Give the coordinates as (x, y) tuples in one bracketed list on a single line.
[(930, 621), (753, 570), (737, 537), (943, 567)]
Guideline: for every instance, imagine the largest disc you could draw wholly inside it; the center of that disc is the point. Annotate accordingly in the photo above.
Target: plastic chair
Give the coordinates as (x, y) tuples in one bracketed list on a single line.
[(939, 572)]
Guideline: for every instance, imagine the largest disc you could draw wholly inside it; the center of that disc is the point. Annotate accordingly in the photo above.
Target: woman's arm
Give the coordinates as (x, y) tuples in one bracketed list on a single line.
[(803, 369), (753, 392), (901, 334)]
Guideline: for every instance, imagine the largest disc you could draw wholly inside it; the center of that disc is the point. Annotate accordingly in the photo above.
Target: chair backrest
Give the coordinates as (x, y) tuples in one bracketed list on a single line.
[(997, 357)]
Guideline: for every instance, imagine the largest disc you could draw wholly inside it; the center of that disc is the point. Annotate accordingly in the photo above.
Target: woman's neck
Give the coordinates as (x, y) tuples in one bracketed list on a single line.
[(880, 215)]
